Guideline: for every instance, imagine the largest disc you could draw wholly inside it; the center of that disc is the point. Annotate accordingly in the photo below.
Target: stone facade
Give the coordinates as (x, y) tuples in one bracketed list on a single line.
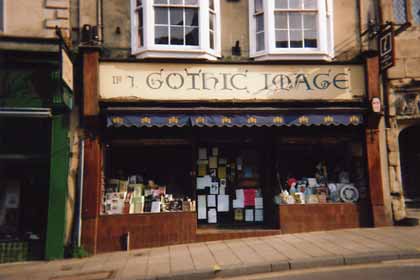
[(403, 93)]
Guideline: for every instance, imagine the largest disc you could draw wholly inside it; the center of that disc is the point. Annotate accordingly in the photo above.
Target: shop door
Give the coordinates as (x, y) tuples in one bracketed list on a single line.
[(409, 140), (24, 184)]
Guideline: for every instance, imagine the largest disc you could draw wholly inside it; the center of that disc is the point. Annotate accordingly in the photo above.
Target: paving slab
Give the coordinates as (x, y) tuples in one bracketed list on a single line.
[(223, 254), (202, 257)]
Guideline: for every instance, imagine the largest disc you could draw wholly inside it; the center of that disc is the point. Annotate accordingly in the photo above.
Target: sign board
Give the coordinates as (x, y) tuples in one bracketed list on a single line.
[(386, 48), (66, 69), (224, 82)]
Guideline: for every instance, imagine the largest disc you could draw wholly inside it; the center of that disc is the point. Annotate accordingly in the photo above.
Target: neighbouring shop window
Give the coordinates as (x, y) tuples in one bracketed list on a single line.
[(326, 170), (148, 179)]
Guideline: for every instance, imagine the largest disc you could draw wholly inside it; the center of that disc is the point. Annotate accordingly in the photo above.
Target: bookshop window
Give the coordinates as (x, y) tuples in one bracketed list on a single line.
[(327, 171), (229, 185), (148, 179)]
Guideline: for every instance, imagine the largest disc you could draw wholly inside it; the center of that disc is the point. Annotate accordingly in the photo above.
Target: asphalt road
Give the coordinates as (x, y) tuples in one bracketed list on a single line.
[(392, 270)]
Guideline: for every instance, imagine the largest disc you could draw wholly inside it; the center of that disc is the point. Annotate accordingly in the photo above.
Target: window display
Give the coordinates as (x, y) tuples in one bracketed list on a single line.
[(147, 180), (229, 191)]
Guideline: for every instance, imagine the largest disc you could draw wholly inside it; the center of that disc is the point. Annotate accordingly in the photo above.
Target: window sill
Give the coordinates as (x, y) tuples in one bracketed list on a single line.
[(293, 56), (177, 54)]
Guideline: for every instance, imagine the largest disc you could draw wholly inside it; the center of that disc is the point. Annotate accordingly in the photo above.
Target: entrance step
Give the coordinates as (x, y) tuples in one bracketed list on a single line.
[(204, 235)]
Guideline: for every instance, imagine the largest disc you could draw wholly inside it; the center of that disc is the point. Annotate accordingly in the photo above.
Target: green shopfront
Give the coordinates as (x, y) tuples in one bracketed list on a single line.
[(34, 156)]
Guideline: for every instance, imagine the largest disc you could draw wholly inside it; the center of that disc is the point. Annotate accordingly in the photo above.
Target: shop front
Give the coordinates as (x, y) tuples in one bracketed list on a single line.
[(34, 156), (213, 151)]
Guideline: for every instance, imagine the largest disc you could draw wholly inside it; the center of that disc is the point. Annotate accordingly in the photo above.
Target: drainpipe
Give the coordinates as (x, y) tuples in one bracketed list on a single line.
[(80, 191)]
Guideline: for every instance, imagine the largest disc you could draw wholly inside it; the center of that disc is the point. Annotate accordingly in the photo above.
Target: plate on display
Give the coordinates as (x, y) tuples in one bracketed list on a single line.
[(348, 193)]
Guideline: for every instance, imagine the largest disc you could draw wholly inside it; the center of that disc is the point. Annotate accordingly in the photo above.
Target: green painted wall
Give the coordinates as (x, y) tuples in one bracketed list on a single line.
[(54, 247)]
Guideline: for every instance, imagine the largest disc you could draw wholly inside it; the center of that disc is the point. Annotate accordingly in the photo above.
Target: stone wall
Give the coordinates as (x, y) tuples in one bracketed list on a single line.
[(37, 19)]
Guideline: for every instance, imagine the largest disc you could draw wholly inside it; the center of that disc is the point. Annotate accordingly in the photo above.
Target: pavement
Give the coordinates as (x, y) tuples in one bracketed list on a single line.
[(237, 257)]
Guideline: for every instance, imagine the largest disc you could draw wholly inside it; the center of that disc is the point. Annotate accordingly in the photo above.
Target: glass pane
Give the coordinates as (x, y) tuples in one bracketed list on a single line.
[(295, 4), (311, 39), (175, 2), (309, 21), (211, 4), (258, 5), (296, 39), (212, 18), (191, 36), (281, 20), (295, 21), (281, 4), (161, 1), (176, 16), (140, 37), (260, 41), (191, 16), (415, 10), (140, 17), (211, 40), (400, 11), (177, 35), (161, 15), (161, 35), (260, 22), (309, 4), (281, 39), (191, 2)]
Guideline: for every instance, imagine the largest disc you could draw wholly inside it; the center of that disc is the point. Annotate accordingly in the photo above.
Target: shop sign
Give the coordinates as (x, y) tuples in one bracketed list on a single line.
[(153, 81), (67, 69), (386, 48)]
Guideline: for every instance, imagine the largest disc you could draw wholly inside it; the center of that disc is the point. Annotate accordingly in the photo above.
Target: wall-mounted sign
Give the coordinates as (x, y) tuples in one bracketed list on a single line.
[(223, 82), (386, 48), (66, 69), (376, 105)]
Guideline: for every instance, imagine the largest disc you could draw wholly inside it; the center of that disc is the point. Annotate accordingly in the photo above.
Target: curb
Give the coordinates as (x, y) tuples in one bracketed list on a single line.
[(287, 265)]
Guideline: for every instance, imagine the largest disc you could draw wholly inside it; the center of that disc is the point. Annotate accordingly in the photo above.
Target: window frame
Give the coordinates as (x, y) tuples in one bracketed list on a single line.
[(152, 50), (324, 51)]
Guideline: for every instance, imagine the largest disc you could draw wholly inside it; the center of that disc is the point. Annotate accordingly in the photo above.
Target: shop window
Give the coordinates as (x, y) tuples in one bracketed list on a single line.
[(176, 29), (406, 11), (147, 179), (291, 29)]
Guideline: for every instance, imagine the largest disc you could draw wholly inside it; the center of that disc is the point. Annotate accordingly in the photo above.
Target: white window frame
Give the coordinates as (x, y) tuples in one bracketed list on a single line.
[(152, 50), (325, 50)]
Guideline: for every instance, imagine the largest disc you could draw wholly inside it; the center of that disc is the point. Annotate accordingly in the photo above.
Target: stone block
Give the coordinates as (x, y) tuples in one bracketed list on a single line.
[(57, 4), (52, 23), (280, 266), (398, 209), (391, 140), (398, 70), (62, 14), (371, 257), (407, 48), (412, 66), (393, 159)]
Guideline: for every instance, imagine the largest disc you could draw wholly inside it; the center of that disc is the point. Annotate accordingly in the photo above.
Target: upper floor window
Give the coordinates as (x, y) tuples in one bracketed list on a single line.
[(176, 28), (291, 29), (406, 11)]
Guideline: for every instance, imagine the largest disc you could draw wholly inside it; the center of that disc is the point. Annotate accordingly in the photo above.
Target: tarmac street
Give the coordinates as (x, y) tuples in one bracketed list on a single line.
[(248, 257)]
